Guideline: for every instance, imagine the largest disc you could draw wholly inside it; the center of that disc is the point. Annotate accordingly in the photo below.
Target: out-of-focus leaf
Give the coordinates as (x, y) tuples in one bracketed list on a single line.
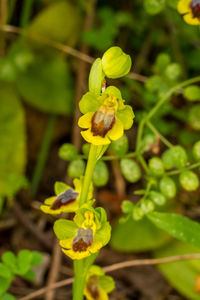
[(60, 22), (136, 236), (181, 274), (47, 85), (12, 137), (178, 226)]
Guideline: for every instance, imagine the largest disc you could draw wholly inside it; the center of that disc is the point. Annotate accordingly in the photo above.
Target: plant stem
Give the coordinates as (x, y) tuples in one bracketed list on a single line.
[(26, 12), (79, 280), (156, 132), (88, 173), (42, 156), (176, 172)]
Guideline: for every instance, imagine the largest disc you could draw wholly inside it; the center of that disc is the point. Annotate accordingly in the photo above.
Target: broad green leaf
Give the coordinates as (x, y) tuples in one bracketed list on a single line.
[(36, 258), (8, 296), (10, 260), (59, 22), (64, 229), (12, 137), (47, 85), (178, 226), (181, 274), (29, 275), (5, 283), (5, 271), (136, 236), (24, 259)]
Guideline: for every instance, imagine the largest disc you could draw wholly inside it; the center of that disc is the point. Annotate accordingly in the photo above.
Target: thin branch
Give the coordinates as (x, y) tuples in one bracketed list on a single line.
[(117, 266), (157, 133), (62, 47)]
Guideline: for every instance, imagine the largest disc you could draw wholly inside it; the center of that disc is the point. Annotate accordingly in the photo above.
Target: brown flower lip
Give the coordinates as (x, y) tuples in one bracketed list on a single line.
[(102, 121), (82, 240), (195, 7), (64, 198), (92, 287)]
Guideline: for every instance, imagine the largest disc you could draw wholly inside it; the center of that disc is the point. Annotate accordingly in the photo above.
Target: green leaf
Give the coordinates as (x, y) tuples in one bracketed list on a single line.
[(68, 152), (107, 283), (120, 147), (60, 187), (178, 226), (12, 137), (24, 259), (58, 22), (194, 117), (192, 93), (100, 174), (96, 77), (37, 258), (5, 271), (154, 7), (29, 275), (137, 236), (130, 170), (64, 229), (8, 296), (5, 283), (76, 168), (10, 260), (181, 274), (47, 85)]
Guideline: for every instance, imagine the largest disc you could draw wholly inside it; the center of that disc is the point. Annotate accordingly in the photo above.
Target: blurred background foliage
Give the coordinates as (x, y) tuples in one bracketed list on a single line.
[(36, 76)]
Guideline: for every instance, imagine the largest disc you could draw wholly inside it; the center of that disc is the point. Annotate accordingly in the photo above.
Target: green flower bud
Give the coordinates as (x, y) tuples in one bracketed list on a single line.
[(68, 152), (157, 198), (137, 213), (96, 77), (189, 180), (116, 63), (120, 147), (101, 174), (194, 117), (156, 166), (127, 206), (76, 168), (192, 93), (179, 156), (167, 160), (167, 187), (196, 151), (130, 170), (147, 206)]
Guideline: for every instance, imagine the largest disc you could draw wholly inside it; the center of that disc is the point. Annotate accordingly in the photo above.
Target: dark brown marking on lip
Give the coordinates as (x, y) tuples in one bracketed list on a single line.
[(195, 7), (82, 240), (64, 199), (102, 121), (92, 287)]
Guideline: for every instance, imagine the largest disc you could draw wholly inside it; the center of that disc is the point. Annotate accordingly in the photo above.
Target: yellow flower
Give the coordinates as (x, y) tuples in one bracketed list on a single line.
[(190, 9), (66, 199), (89, 232), (105, 117), (98, 285)]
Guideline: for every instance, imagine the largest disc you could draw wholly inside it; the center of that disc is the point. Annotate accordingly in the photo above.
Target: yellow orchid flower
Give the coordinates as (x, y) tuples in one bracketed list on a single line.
[(66, 199), (190, 9), (98, 285), (86, 235), (105, 117)]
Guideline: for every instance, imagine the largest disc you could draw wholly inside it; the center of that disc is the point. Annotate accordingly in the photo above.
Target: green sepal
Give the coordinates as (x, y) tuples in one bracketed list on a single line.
[(60, 187), (100, 211), (64, 229), (89, 103), (107, 283), (96, 270), (126, 116), (104, 234), (96, 77)]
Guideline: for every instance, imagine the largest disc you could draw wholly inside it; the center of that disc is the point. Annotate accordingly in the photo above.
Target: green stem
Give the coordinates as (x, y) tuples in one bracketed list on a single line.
[(92, 159), (176, 172), (157, 133), (42, 156), (113, 157), (26, 12), (79, 279), (139, 135)]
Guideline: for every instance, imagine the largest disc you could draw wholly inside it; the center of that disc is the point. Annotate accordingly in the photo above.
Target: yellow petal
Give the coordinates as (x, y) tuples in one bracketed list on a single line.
[(183, 6), (72, 207), (49, 200), (95, 140), (46, 209), (117, 131), (190, 20), (85, 120), (67, 243), (77, 185), (102, 294), (76, 255), (96, 245)]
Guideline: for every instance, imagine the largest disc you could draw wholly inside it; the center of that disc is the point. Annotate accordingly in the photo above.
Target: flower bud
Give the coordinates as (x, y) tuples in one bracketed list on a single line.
[(116, 63)]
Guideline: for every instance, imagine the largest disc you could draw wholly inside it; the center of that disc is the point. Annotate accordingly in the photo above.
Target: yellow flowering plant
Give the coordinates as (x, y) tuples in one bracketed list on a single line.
[(190, 9)]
